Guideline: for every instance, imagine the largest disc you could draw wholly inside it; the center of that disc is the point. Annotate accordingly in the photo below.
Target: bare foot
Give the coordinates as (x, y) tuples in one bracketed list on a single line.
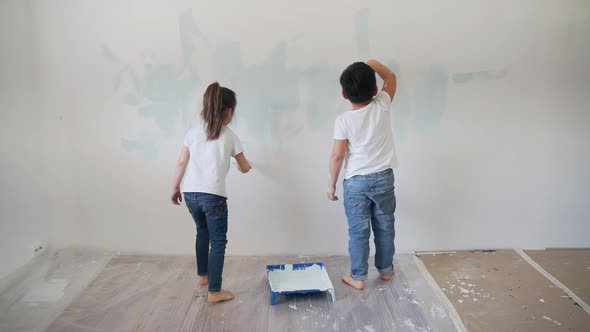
[(203, 280), (358, 284), (386, 277), (222, 295)]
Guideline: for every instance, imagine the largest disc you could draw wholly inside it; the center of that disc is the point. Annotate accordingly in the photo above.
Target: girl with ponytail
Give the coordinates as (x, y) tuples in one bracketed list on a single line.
[(202, 167)]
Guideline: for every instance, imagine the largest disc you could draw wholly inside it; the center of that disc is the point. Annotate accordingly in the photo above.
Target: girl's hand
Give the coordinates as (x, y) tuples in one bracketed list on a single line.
[(243, 164), (176, 197)]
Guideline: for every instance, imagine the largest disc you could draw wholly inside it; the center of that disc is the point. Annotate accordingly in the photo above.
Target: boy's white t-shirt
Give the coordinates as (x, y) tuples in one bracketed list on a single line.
[(209, 160), (371, 146)]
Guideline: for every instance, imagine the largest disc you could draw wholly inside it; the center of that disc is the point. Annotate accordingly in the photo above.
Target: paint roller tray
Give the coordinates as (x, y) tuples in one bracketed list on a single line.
[(298, 279)]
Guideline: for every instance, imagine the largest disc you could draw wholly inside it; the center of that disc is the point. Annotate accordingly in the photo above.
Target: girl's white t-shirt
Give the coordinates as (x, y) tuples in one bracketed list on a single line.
[(209, 160), (371, 147)]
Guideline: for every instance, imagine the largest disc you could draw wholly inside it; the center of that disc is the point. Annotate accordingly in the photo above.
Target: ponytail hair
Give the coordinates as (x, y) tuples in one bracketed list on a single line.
[(216, 101)]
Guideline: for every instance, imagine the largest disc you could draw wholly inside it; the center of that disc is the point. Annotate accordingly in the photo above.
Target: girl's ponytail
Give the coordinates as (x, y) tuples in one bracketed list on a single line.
[(216, 101)]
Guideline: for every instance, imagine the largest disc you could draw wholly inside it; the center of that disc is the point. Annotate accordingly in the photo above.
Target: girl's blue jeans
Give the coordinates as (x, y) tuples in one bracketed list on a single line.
[(210, 215)]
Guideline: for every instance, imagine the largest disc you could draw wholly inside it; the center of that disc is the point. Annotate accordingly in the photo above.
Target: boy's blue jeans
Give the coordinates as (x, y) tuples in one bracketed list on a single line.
[(210, 215), (369, 201)]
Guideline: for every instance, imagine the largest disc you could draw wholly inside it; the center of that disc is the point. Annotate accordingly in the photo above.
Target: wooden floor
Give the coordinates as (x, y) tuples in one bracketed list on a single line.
[(35, 295), (500, 291), (85, 290), (570, 266)]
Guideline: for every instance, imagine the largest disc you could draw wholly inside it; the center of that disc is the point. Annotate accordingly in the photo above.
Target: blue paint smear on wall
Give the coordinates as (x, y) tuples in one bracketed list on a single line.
[(268, 92), (431, 100), (361, 27), (479, 75), (107, 54), (402, 102), (145, 144), (159, 93), (323, 88)]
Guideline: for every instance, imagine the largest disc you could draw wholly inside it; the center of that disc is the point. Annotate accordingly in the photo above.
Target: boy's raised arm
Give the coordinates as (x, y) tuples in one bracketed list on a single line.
[(388, 77)]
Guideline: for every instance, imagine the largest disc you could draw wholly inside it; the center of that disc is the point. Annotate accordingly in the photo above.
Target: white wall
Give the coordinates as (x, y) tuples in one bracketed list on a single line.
[(22, 221), (491, 118)]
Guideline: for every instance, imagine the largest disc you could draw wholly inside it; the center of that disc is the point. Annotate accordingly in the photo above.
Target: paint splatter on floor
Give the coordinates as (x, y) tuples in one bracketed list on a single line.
[(551, 320)]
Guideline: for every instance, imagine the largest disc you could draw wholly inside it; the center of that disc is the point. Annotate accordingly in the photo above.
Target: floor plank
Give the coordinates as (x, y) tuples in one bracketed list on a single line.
[(499, 291), (570, 266)]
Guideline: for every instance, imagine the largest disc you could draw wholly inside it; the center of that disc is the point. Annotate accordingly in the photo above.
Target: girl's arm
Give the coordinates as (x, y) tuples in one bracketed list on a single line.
[(176, 196), (243, 164)]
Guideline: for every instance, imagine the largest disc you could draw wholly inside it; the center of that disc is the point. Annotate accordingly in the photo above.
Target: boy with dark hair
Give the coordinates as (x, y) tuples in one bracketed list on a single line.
[(363, 140)]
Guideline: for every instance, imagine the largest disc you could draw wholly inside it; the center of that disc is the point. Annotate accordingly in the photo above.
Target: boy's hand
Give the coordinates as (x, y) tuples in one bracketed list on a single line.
[(332, 193), (176, 197)]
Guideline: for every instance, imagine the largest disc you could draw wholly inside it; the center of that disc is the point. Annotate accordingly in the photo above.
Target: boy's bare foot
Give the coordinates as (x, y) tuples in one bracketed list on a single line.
[(203, 280), (222, 295), (386, 277), (358, 284)]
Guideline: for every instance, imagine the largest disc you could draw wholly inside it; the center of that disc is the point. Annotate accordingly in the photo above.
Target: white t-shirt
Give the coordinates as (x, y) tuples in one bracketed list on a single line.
[(371, 147), (209, 160)]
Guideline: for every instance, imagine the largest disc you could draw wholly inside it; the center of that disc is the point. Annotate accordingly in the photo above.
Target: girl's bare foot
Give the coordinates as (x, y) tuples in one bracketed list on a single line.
[(386, 277), (358, 284), (203, 280), (222, 295)]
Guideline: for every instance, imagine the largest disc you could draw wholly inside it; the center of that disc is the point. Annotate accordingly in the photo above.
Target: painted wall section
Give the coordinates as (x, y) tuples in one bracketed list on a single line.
[(491, 118)]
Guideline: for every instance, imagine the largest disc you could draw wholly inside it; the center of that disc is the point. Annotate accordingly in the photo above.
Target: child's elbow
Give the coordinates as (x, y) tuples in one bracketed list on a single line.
[(181, 163)]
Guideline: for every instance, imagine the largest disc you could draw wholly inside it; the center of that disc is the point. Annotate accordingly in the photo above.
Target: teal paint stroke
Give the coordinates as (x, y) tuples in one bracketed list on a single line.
[(401, 105), (323, 86), (107, 54), (145, 144), (266, 92), (361, 27), (479, 75), (132, 100), (431, 100), (160, 91), (167, 92), (163, 91)]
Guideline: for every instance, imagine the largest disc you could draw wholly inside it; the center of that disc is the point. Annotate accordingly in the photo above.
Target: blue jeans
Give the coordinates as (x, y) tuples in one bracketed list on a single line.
[(369, 200), (210, 215)]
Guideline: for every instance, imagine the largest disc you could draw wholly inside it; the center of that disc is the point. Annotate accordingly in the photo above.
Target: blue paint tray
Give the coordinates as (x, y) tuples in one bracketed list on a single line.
[(298, 279)]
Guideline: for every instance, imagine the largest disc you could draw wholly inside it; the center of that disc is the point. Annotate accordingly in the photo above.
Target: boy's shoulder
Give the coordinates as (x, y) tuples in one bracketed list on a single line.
[(382, 100), (341, 119)]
